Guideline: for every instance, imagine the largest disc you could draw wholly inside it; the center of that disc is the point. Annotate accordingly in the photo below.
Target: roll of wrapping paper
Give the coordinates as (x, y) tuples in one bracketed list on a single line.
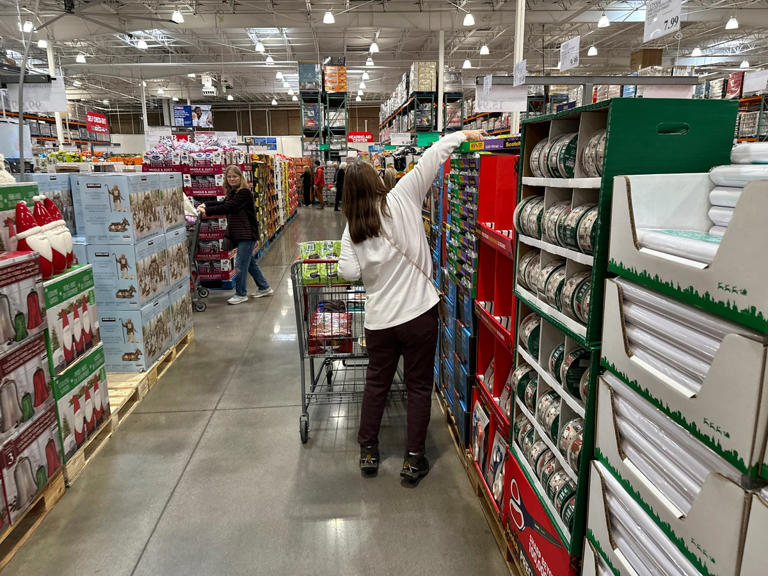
[(724, 196), (680, 378), (750, 153), (720, 215), (636, 547), (692, 341), (718, 231), (690, 244), (738, 175), (692, 317), (674, 356)]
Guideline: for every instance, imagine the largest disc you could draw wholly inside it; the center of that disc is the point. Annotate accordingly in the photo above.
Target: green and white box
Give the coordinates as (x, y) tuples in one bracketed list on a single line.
[(10, 195)]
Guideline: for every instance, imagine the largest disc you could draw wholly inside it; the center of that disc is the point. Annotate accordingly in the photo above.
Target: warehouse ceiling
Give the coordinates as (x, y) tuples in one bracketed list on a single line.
[(220, 38)]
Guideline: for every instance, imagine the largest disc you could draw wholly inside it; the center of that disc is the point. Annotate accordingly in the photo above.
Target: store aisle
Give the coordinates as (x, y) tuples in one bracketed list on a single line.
[(209, 475)]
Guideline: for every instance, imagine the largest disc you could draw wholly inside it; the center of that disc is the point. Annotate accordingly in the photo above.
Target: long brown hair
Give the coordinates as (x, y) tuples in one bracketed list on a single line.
[(236, 170), (390, 178), (364, 201)]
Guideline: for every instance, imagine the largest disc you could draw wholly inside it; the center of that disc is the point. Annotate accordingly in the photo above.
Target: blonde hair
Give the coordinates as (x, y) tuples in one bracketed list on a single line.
[(307, 169), (390, 178), (236, 170)]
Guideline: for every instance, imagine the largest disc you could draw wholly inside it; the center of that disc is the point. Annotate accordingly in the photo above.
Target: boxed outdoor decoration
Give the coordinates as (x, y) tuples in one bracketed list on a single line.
[(173, 200), (177, 255), (325, 272), (130, 275), (73, 322), (22, 308), (57, 188), (134, 339), (82, 401), (180, 302), (28, 461), (25, 384), (10, 196)]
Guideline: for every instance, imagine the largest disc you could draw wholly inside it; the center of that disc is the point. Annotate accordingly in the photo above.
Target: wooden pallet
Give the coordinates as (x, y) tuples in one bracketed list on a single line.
[(24, 527), (77, 463)]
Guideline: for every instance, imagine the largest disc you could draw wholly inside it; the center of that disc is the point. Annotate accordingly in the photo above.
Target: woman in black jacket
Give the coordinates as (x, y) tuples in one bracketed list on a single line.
[(306, 185), (243, 230), (340, 184)]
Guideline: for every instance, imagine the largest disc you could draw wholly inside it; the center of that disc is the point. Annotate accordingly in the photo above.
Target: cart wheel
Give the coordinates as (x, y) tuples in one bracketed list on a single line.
[(304, 428), (203, 292), (200, 306), (329, 376)]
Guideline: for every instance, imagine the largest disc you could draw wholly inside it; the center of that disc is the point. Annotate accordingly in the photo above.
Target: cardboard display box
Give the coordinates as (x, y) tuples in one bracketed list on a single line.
[(22, 307), (10, 195), (731, 420), (754, 557), (79, 249), (734, 285), (172, 187), (73, 321), (180, 302), (178, 255), (82, 401), (118, 208), (57, 187), (129, 276), (134, 339), (28, 461), (25, 389)]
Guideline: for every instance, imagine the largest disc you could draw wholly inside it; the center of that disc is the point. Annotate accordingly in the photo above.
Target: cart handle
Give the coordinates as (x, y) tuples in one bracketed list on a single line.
[(325, 261)]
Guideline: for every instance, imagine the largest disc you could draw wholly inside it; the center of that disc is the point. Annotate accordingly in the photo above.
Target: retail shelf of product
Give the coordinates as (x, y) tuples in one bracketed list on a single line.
[(579, 257), (563, 182), (226, 255), (572, 327)]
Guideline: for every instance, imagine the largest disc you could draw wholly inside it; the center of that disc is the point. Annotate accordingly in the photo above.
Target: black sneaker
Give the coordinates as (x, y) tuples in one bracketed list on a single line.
[(369, 460), (415, 467)]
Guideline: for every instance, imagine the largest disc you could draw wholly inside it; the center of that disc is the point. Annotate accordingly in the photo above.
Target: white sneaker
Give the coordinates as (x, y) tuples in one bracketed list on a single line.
[(262, 293), (237, 299)]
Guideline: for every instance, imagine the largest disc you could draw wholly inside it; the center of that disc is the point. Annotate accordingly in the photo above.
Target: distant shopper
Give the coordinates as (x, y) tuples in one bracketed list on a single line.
[(306, 185), (390, 178), (384, 244), (319, 183), (242, 230), (340, 184)]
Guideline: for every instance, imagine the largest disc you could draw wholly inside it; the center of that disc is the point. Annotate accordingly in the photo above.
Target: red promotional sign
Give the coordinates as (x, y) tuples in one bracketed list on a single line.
[(360, 137), (95, 122)]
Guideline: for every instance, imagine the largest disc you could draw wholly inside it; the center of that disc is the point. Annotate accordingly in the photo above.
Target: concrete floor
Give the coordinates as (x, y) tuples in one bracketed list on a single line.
[(209, 477)]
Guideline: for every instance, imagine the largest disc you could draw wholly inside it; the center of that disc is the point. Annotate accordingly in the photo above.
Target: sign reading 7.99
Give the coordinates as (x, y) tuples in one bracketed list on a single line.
[(661, 17)]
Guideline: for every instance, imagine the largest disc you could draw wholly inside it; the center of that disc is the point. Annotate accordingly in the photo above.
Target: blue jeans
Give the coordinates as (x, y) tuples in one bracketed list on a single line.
[(245, 263)]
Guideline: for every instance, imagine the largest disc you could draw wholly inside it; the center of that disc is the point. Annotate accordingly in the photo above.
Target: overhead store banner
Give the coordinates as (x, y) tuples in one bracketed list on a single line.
[(96, 122), (569, 53), (360, 137), (502, 98), (662, 17), (261, 143), (39, 97), (521, 71), (199, 115)]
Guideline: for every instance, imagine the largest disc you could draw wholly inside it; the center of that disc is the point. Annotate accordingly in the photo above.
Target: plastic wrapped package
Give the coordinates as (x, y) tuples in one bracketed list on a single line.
[(694, 245), (724, 196), (674, 356), (750, 153), (718, 231), (720, 216), (738, 175)]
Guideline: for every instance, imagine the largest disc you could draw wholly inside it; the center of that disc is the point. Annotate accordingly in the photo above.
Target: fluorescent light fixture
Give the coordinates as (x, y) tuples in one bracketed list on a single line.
[(362, 85), (732, 24), (285, 84), (141, 44), (558, 65), (294, 98), (592, 51), (603, 22), (374, 48), (42, 43), (28, 26), (274, 102), (484, 50), (469, 20), (369, 62), (177, 17), (260, 47), (358, 99), (230, 97), (359, 92), (175, 99), (160, 91), (279, 75), (696, 52), (366, 76), (191, 75), (270, 60), (744, 64), (105, 102), (77, 83), (144, 83), (467, 64), (80, 59), (290, 92), (328, 18)]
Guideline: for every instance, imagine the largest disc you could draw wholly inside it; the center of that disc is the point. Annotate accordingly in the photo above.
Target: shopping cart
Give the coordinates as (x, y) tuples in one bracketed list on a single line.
[(330, 314), (198, 292)]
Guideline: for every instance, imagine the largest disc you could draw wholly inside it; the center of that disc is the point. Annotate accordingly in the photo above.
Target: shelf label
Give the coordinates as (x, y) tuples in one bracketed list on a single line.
[(521, 71), (569, 53), (662, 17)]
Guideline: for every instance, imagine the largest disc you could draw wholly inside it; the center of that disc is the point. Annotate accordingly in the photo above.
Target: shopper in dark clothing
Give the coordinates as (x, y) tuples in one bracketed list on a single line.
[(339, 184), (242, 230), (306, 185)]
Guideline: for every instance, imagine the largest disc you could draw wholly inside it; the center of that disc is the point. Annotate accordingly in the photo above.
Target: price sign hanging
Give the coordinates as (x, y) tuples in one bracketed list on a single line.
[(662, 17), (520, 73), (569, 53)]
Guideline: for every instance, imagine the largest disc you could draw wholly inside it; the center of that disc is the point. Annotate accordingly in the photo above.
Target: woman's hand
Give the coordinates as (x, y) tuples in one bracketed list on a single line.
[(475, 135), (201, 209)]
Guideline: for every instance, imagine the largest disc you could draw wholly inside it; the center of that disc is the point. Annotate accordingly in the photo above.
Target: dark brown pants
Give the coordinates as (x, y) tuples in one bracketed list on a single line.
[(416, 341)]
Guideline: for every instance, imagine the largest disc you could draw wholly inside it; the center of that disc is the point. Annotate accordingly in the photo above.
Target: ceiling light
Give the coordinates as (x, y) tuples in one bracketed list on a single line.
[(358, 99), (260, 47), (558, 65), (592, 51), (191, 75), (359, 92), (744, 64), (160, 91), (603, 22), (144, 83), (285, 84), (290, 92), (270, 60), (230, 97), (177, 17), (77, 83), (279, 75), (366, 76), (175, 99), (696, 52), (294, 98), (374, 48), (369, 62), (274, 102), (484, 50), (469, 20), (28, 26), (42, 43), (105, 102), (141, 44), (362, 85), (467, 64), (328, 18), (80, 59), (732, 24), (207, 82)]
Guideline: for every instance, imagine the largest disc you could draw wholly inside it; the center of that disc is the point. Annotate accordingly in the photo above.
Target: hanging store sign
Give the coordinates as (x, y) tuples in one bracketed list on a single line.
[(569, 53), (521, 71), (360, 137), (400, 139), (662, 17), (502, 98), (43, 97), (96, 122), (261, 143)]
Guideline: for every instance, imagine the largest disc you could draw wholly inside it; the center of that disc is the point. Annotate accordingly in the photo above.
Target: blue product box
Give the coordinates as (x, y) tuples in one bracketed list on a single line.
[(463, 382), (80, 250), (129, 276), (465, 347), (448, 341), (173, 200), (180, 302), (134, 339), (177, 255), (118, 208), (466, 311), (462, 422)]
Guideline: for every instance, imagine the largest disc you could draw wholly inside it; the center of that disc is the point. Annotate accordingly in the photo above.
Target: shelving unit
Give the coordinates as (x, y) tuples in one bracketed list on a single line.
[(43, 129), (752, 122)]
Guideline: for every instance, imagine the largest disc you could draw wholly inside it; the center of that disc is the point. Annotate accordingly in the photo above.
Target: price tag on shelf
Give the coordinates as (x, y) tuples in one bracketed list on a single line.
[(569, 53), (521, 71), (662, 17)]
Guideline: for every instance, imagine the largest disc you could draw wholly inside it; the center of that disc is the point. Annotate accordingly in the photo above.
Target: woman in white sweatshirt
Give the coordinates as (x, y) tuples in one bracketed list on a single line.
[(385, 245)]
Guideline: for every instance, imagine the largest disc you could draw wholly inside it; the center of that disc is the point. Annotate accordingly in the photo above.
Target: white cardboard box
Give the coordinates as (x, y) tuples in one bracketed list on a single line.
[(755, 556), (177, 255), (180, 301)]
